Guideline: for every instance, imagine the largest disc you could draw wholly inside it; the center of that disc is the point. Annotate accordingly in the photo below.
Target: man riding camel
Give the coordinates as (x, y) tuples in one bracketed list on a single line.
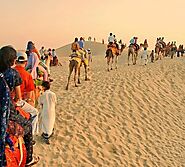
[(133, 42), (111, 39)]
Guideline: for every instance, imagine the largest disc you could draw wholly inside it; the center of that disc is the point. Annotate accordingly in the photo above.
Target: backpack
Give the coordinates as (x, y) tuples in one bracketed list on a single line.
[(15, 149)]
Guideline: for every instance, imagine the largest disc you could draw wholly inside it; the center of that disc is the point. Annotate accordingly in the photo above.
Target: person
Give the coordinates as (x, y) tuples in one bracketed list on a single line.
[(173, 49), (27, 90), (42, 51), (132, 41), (111, 39), (89, 55), (27, 87), (55, 58), (34, 65), (120, 44), (81, 43), (75, 46), (48, 102), (144, 57), (31, 46), (13, 80), (53, 53), (89, 38), (103, 41), (4, 110), (145, 45), (81, 51), (115, 40), (48, 60), (152, 56)]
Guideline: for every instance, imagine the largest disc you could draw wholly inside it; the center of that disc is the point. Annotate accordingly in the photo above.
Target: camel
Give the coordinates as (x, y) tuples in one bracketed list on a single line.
[(160, 48), (75, 64), (180, 51), (123, 46), (167, 49), (112, 54), (134, 52)]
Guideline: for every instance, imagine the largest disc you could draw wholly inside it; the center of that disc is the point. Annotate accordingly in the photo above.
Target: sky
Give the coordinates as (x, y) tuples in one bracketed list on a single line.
[(55, 23)]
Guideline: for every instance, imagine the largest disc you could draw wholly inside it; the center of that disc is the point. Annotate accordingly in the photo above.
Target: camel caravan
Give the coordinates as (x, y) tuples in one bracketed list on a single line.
[(82, 57), (161, 50), (167, 50)]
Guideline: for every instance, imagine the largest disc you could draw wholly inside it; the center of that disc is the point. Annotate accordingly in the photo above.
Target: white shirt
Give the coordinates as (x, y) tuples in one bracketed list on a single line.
[(144, 55), (110, 39)]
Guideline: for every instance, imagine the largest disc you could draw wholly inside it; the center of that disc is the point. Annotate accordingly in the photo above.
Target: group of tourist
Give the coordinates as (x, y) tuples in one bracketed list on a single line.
[(161, 48), (24, 84)]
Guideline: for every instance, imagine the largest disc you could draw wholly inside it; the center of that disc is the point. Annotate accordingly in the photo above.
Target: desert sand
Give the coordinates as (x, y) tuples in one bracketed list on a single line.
[(130, 117)]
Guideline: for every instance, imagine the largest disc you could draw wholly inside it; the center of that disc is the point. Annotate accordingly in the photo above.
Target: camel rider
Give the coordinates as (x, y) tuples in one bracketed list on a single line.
[(135, 43), (115, 40), (132, 41), (81, 50), (75, 48), (111, 39), (81, 43)]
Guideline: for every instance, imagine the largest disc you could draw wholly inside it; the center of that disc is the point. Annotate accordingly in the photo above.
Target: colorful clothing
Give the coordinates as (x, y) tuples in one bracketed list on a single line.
[(4, 116), (13, 79), (81, 43), (27, 84), (33, 62)]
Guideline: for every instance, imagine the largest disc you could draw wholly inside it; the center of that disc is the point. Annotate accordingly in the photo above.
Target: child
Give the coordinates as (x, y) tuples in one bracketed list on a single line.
[(144, 57), (152, 56), (48, 101), (89, 55)]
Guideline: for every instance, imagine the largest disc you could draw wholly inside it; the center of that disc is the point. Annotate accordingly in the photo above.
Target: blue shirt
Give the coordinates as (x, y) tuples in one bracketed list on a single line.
[(81, 43), (132, 41)]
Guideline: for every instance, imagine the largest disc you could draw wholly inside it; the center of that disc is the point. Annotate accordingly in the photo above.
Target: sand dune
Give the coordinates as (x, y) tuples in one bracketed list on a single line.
[(130, 117), (96, 47)]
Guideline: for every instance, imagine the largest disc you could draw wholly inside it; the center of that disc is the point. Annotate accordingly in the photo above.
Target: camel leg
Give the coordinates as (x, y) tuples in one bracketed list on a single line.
[(70, 72), (156, 56), (86, 78), (76, 69), (116, 60), (108, 62), (79, 75), (135, 58), (112, 63), (128, 58)]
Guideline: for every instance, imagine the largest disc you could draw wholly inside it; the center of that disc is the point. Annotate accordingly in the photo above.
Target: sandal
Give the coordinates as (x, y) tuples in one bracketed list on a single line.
[(34, 161)]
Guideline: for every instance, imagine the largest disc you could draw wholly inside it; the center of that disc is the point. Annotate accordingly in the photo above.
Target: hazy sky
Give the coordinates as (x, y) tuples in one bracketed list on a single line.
[(54, 23)]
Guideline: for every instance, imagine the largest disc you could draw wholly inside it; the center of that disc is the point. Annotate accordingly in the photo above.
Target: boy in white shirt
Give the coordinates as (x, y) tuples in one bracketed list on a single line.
[(144, 57), (48, 102)]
